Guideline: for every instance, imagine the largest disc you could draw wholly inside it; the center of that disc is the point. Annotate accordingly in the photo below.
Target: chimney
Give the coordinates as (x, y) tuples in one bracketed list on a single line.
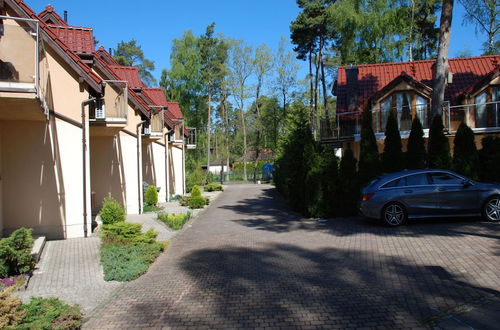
[(110, 51), (352, 87), (66, 16)]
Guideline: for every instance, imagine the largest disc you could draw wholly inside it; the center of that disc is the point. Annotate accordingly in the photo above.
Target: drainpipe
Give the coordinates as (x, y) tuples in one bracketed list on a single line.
[(167, 163), (139, 161), (183, 160), (86, 158)]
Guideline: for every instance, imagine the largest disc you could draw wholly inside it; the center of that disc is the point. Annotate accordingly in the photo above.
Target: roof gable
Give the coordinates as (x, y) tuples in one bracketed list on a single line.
[(50, 16), (78, 39), (372, 78), (130, 74)]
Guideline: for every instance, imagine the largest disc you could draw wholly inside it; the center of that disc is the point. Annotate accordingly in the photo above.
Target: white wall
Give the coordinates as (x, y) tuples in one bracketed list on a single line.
[(176, 165), (128, 146), (159, 162)]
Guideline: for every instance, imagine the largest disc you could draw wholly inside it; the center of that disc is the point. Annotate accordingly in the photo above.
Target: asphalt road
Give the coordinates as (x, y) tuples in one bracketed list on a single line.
[(248, 262)]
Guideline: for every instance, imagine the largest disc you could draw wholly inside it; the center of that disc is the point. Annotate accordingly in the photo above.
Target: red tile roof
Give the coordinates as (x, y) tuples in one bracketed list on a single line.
[(467, 72), (90, 76), (156, 95), (130, 74), (79, 39), (175, 109), (50, 16)]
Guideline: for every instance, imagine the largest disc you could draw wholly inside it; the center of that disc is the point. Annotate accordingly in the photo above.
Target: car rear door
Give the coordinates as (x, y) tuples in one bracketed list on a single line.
[(417, 195)]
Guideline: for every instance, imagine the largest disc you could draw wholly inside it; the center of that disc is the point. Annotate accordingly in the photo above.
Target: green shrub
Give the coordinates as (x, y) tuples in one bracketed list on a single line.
[(15, 253), (50, 313), (213, 187), (438, 149), (10, 313), (415, 156), (128, 262), (127, 233), (489, 158), (151, 208), (152, 196), (347, 190), (197, 202), (184, 201), (111, 211), (174, 221), (465, 155), (369, 163), (392, 157), (195, 191), (195, 177)]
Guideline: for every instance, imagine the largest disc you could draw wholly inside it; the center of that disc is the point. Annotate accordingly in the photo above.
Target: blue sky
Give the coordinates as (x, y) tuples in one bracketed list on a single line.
[(155, 23)]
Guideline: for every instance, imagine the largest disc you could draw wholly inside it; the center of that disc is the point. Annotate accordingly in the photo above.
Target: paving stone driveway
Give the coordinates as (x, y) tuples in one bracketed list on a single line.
[(247, 262)]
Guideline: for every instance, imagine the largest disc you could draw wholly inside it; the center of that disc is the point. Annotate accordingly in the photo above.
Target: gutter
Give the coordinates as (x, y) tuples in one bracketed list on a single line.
[(167, 163), (86, 158), (139, 162)]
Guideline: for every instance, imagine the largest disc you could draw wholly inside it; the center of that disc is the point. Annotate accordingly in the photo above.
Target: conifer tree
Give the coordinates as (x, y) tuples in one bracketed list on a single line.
[(392, 158), (369, 163), (438, 151), (465, 155), (489, 158), (347, 192), (415, 154)]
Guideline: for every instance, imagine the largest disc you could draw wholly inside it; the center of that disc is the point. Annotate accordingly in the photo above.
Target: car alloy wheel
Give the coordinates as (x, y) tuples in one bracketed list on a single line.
[(394, 214), (492, 209)]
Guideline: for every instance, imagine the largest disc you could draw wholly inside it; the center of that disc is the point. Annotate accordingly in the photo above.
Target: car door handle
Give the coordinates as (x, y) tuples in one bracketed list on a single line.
[(441, 189), (408, 191)]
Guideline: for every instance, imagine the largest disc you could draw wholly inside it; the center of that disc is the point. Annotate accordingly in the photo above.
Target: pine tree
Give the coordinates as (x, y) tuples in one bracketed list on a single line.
[(347, 192), (369, 163), (489, 158), (392, 158), (415, 154), (438, 151), (465, 155)]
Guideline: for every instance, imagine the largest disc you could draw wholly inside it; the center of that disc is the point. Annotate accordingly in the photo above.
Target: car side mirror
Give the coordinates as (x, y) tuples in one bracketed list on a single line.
[(466, 183)]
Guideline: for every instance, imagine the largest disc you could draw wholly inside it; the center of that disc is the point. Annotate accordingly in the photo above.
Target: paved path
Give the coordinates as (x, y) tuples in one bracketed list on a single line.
[(247, 262)]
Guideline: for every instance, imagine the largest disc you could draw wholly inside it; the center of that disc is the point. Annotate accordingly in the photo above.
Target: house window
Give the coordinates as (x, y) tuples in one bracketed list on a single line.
[(402, 104), (481, 114), (421, 110), (488, 108)]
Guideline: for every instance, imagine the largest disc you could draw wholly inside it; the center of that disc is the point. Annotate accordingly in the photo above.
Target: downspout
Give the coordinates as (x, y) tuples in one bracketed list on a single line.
[(139, 162), (86, 158), (167, 163), (183, 160)]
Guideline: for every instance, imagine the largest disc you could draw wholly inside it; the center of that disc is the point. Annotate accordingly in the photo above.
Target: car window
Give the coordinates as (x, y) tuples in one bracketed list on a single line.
[(444, 178), (393, 183), (417, 180)]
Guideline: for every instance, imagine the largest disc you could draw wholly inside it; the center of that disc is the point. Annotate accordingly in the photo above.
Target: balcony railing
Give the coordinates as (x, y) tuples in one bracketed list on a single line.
[(191, 138), (113, 107), (19, 55), (155, 127), (479, 117)]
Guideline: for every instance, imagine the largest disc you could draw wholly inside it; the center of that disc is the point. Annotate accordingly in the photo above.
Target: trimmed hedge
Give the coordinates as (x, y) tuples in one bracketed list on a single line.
[(15, 253), (174, 221), (111, 211)]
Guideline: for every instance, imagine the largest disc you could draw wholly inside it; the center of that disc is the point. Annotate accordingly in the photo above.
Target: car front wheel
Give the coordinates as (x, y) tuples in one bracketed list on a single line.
[(491, 209), (394, 214)]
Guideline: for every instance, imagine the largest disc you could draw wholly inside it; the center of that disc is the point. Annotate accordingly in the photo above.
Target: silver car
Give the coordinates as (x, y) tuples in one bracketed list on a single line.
[(395, 197)]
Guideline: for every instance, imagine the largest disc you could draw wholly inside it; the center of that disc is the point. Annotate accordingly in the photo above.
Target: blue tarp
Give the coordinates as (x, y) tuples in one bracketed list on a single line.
[(267, 171)]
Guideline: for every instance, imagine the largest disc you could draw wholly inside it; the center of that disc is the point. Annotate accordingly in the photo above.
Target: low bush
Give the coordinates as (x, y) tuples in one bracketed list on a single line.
[(213, 187), (50, 313), (184, 200), (128, 262), (10, 313), (15, 253), (197, 202), (151, 196), (195, 191), (151, 208), (127, 233), (111, 211), (174, 221)]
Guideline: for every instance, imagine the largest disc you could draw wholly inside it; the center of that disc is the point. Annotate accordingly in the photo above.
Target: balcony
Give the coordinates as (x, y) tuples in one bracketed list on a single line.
[(191, 138), (111, 111), (154, 129), (480, 117), (19, 59)]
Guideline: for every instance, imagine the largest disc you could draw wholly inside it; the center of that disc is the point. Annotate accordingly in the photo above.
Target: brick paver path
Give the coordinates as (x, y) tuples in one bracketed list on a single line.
[(247, 262)]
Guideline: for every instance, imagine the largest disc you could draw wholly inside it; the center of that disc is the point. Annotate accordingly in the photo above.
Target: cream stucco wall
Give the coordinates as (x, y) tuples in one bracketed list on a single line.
[(176, 170), (153, 171), (132, 185)]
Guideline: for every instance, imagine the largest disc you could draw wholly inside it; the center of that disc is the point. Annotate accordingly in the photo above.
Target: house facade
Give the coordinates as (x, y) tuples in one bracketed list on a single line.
[(75, 126), (472, 95)]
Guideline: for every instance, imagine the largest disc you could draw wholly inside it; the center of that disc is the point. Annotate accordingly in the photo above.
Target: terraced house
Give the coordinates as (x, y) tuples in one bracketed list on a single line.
[(472, 95), (76, 126)]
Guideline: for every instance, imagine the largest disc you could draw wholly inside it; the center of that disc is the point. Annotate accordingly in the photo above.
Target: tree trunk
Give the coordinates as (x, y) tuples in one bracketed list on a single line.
[(439, 84), (243, 127), (311, 88), (323, 79), (208, 128), (316, 83)]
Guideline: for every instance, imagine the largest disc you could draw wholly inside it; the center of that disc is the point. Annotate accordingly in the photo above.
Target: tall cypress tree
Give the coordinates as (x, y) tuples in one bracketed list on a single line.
[(415, 154), (465, 155), (347, 192), (438, 151), (392, 158), (369, 163)]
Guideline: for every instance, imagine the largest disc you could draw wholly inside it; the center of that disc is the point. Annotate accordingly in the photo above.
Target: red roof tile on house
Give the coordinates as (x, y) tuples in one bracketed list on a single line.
[(50, 16), (175, 109), (79, 39), (156, 95), (372, 78), (130, 74)]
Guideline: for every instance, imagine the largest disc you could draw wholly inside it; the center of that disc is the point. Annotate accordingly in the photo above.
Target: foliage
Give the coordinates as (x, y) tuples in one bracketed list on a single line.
[(392, 157), (130, 54), (465, 155), (416, 155), (195, 191), (489, 158), (10, 313), (238, 166), (127, 262), (484, 15), (184, 201), (369, 164), (438, 150), (347, 190), (127, 233), (328, 179), (50, 313), (150, 208), (15, 253), (111, 211), (152, 196), (196, 177), (286, 79), (213, 187), (197, 202), (174, 221)]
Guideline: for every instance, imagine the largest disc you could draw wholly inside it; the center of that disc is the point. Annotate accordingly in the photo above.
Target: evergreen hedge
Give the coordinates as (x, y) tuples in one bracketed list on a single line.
[(415, 156), (392, 157), (369, 163), (438, 151), (465, 155)]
